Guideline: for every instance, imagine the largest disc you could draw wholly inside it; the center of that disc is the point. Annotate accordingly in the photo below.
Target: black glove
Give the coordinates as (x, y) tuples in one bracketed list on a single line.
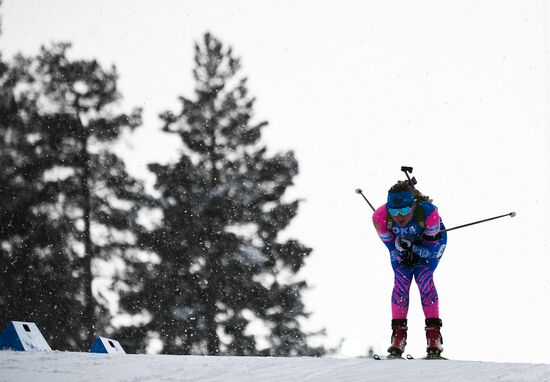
[(405, 247), (402, 244), (409, 258)]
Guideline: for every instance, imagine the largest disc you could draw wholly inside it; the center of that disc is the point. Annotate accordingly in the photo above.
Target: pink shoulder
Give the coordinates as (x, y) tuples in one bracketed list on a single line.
[(433, 223), (433, 218), (379, 219)]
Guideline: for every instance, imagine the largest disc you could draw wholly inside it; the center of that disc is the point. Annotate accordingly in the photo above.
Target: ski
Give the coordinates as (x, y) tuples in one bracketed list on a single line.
[(435, 357), (387, 357), (429, 357), (409, 357)]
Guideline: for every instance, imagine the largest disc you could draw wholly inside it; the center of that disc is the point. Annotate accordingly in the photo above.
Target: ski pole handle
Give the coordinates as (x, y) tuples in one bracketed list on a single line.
[(359, 191)]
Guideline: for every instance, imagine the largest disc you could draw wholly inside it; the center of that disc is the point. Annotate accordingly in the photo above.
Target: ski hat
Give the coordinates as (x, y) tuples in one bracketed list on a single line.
[(400, 199)]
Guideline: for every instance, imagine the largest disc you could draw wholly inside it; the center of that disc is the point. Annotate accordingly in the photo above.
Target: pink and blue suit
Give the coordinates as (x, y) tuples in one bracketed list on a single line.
[(429, 241)]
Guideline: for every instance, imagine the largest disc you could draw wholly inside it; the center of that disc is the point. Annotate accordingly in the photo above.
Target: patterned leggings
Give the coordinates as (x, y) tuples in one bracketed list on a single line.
[(423, 275)]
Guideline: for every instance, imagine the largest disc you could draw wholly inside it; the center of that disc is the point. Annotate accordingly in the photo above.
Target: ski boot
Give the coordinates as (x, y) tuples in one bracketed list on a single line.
[(433, 338), (398, 338)]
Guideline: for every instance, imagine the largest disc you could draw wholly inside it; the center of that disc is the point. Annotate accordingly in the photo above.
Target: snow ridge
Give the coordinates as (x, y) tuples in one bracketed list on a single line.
[(86, 367)]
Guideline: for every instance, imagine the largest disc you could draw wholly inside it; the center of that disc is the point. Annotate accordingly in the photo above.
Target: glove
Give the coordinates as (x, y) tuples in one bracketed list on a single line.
[(402, 244), (409, 258)]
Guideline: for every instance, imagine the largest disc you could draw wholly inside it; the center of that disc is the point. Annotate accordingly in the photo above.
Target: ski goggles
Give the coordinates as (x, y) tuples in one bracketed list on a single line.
[(402, 211)]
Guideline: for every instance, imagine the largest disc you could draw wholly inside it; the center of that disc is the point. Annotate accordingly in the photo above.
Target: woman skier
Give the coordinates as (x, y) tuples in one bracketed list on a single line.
[(410, 227)]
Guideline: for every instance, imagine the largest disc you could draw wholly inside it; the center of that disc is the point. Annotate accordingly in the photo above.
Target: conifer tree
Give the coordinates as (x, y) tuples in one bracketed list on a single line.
[(91, 204), (29, 250), (34, 265), (219, 262)]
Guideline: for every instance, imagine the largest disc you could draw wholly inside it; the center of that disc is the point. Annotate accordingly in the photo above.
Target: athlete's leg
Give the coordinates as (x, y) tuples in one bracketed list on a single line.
[(423, 275), (400, 296)]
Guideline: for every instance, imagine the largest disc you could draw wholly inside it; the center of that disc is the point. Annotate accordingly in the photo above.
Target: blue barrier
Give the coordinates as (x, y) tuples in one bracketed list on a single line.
[(23, 336), (106, 345)]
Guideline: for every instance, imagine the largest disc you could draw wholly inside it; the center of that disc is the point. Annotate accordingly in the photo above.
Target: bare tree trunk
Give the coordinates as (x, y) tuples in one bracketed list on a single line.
[(87, 274), (214, 266)]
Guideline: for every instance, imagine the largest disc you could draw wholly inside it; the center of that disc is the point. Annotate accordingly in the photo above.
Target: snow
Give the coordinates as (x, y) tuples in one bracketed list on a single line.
[(67, 366)]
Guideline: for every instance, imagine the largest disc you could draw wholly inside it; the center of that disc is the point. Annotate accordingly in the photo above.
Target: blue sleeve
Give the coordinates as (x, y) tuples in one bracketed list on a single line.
[(429, 250), (433, 240)]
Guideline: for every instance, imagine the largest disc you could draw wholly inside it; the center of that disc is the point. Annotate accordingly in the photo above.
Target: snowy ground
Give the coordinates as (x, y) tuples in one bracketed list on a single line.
[(64, 366)]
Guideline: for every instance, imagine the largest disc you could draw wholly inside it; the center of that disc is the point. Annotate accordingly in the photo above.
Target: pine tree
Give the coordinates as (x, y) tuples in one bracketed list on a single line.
[(33, 262), (29, 251), (92, 203), (219, 264)]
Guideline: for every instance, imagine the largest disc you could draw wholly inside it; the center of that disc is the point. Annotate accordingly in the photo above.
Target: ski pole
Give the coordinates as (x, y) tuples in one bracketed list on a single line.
[(359, 191), (511, 214)]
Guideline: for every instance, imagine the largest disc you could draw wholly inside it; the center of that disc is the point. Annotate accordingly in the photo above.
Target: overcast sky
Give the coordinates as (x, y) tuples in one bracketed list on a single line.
[(457, 89)]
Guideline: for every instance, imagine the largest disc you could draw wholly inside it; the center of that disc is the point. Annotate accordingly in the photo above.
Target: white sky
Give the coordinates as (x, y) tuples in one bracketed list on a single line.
[(457, 89)]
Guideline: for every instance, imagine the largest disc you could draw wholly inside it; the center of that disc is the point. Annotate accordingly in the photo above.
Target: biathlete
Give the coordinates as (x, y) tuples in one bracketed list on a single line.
[(412, 230)]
